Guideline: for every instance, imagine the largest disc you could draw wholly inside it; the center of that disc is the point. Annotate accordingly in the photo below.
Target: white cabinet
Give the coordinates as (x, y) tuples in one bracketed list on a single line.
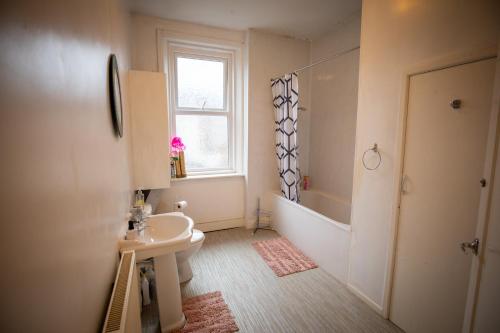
[(149, 127)]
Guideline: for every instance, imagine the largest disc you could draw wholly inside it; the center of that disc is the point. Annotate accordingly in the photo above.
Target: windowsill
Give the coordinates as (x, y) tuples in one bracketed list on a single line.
[(213, 176)]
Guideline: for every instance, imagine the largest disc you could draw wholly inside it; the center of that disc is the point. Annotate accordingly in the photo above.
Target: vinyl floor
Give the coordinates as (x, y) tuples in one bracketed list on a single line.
[(310, 301)]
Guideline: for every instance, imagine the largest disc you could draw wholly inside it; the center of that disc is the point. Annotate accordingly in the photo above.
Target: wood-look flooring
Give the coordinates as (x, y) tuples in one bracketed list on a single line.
[(310, 301)]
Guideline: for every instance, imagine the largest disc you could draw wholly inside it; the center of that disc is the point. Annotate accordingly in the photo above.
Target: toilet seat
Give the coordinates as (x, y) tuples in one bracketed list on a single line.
[(198, 236)]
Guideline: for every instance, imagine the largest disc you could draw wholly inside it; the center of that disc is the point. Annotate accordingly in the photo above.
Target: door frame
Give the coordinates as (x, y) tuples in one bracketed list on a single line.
[(444, 62)]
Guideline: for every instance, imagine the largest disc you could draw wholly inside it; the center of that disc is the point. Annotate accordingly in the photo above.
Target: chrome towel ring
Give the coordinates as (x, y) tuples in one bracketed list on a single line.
[(375, 150)]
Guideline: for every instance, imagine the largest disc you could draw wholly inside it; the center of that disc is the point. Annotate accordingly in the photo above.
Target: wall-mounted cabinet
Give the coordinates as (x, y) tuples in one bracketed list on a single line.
[(149, 126)]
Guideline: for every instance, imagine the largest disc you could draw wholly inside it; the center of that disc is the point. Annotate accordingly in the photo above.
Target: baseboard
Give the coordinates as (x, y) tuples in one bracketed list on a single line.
[(366, 299), (220, 225)]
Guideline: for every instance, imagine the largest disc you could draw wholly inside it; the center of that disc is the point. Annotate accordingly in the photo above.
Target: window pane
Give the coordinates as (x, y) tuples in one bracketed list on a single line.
[(200, 83), (206, 140)]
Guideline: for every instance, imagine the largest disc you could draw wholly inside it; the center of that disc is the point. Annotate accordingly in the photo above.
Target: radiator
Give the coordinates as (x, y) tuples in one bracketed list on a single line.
[(124, 313)]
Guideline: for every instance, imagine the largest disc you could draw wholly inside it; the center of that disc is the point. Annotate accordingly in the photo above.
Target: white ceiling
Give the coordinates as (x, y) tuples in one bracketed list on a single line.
[(305, 19)]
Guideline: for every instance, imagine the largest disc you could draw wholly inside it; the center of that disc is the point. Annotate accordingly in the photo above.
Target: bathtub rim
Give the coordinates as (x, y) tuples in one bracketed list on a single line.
[(340, 225)]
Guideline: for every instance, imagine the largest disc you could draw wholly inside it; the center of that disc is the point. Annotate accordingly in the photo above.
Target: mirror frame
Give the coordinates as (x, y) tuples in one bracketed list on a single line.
[(115, 95)]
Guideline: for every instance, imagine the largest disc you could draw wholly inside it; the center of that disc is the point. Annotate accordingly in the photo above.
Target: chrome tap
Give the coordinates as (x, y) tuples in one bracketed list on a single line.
[(139, 217)]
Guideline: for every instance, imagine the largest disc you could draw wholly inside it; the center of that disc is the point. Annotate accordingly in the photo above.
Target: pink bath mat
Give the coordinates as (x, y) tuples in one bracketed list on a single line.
[(283, 257), (208, 313)]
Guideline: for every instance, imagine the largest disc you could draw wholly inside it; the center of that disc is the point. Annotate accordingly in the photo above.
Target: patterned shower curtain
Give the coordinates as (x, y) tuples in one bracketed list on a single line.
[(286, 100)]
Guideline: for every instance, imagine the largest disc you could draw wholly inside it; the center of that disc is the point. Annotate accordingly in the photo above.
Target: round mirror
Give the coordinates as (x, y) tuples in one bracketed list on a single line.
[(115, 95)]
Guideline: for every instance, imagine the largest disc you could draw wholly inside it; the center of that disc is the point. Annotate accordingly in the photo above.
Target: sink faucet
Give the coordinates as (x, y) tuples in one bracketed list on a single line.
[(139, 217)]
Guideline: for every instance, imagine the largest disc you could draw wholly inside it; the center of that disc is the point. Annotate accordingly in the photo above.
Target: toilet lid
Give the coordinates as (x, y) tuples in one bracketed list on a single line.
[(197, 236)]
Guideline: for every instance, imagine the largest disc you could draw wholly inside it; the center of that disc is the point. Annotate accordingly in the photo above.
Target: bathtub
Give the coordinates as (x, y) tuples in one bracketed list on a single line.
[(319, 226)]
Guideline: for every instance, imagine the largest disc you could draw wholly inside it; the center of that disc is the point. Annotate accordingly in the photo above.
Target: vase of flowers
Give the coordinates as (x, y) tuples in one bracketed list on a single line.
[(177, 148)]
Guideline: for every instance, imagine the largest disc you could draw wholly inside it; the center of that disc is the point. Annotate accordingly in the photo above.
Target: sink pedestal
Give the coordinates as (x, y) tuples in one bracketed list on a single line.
[(168, 292), (166, 234)]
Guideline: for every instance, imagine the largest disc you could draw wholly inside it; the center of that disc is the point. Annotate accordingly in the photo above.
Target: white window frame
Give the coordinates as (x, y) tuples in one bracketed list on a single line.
[(202, 55), (175, 47)]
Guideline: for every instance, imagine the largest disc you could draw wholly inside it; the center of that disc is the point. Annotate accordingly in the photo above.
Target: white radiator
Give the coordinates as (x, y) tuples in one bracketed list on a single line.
[(124, 313)]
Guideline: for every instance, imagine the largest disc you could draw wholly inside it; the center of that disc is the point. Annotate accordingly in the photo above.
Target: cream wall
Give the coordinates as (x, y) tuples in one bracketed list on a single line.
[(64, 174), (208, 199), (397, 36), (269, 56), (334, 97), (225, 197)]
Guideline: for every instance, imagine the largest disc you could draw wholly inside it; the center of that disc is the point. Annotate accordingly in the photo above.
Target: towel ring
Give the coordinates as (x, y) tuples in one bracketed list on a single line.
[(375, 150)]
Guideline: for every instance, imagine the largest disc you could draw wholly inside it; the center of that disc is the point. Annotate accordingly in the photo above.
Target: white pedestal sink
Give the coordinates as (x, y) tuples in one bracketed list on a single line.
[(164, 235)]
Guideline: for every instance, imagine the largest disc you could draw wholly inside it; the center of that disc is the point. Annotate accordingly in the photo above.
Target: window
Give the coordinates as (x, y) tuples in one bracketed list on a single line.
[(202, 106)]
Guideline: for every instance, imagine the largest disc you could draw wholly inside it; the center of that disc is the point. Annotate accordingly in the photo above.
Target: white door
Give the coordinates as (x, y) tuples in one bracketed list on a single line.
[(487, 318), (443, 165)]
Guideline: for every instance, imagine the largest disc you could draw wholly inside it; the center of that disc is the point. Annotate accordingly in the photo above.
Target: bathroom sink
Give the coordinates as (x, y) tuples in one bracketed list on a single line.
[(164, 234)]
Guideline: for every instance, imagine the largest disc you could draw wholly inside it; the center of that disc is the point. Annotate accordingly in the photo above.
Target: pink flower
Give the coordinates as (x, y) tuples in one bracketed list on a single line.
[(177, 145)]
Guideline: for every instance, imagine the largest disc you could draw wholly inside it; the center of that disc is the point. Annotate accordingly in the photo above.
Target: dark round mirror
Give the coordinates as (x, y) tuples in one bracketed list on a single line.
[(115, 95)]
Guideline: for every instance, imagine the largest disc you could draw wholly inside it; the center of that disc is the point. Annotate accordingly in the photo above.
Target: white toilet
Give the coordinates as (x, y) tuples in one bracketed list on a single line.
[(183, 267)]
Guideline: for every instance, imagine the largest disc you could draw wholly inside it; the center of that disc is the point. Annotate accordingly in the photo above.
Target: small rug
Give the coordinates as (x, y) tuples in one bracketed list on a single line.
[(283, 257), (208, 313)]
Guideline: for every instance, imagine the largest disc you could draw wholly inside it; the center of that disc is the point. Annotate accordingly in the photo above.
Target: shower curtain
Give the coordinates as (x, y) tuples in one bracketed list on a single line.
[(286, 100)]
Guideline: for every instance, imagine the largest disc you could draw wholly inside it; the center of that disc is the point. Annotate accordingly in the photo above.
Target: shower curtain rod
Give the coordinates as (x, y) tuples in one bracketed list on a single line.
[(322, 61)]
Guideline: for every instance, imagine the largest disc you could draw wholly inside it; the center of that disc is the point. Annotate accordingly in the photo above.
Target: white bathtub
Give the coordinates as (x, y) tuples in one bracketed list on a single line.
[(326, 205), (319, 226)]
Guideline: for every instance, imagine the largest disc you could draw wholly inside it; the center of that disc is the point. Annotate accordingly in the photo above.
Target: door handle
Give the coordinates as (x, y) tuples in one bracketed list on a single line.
[(473, 246)]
